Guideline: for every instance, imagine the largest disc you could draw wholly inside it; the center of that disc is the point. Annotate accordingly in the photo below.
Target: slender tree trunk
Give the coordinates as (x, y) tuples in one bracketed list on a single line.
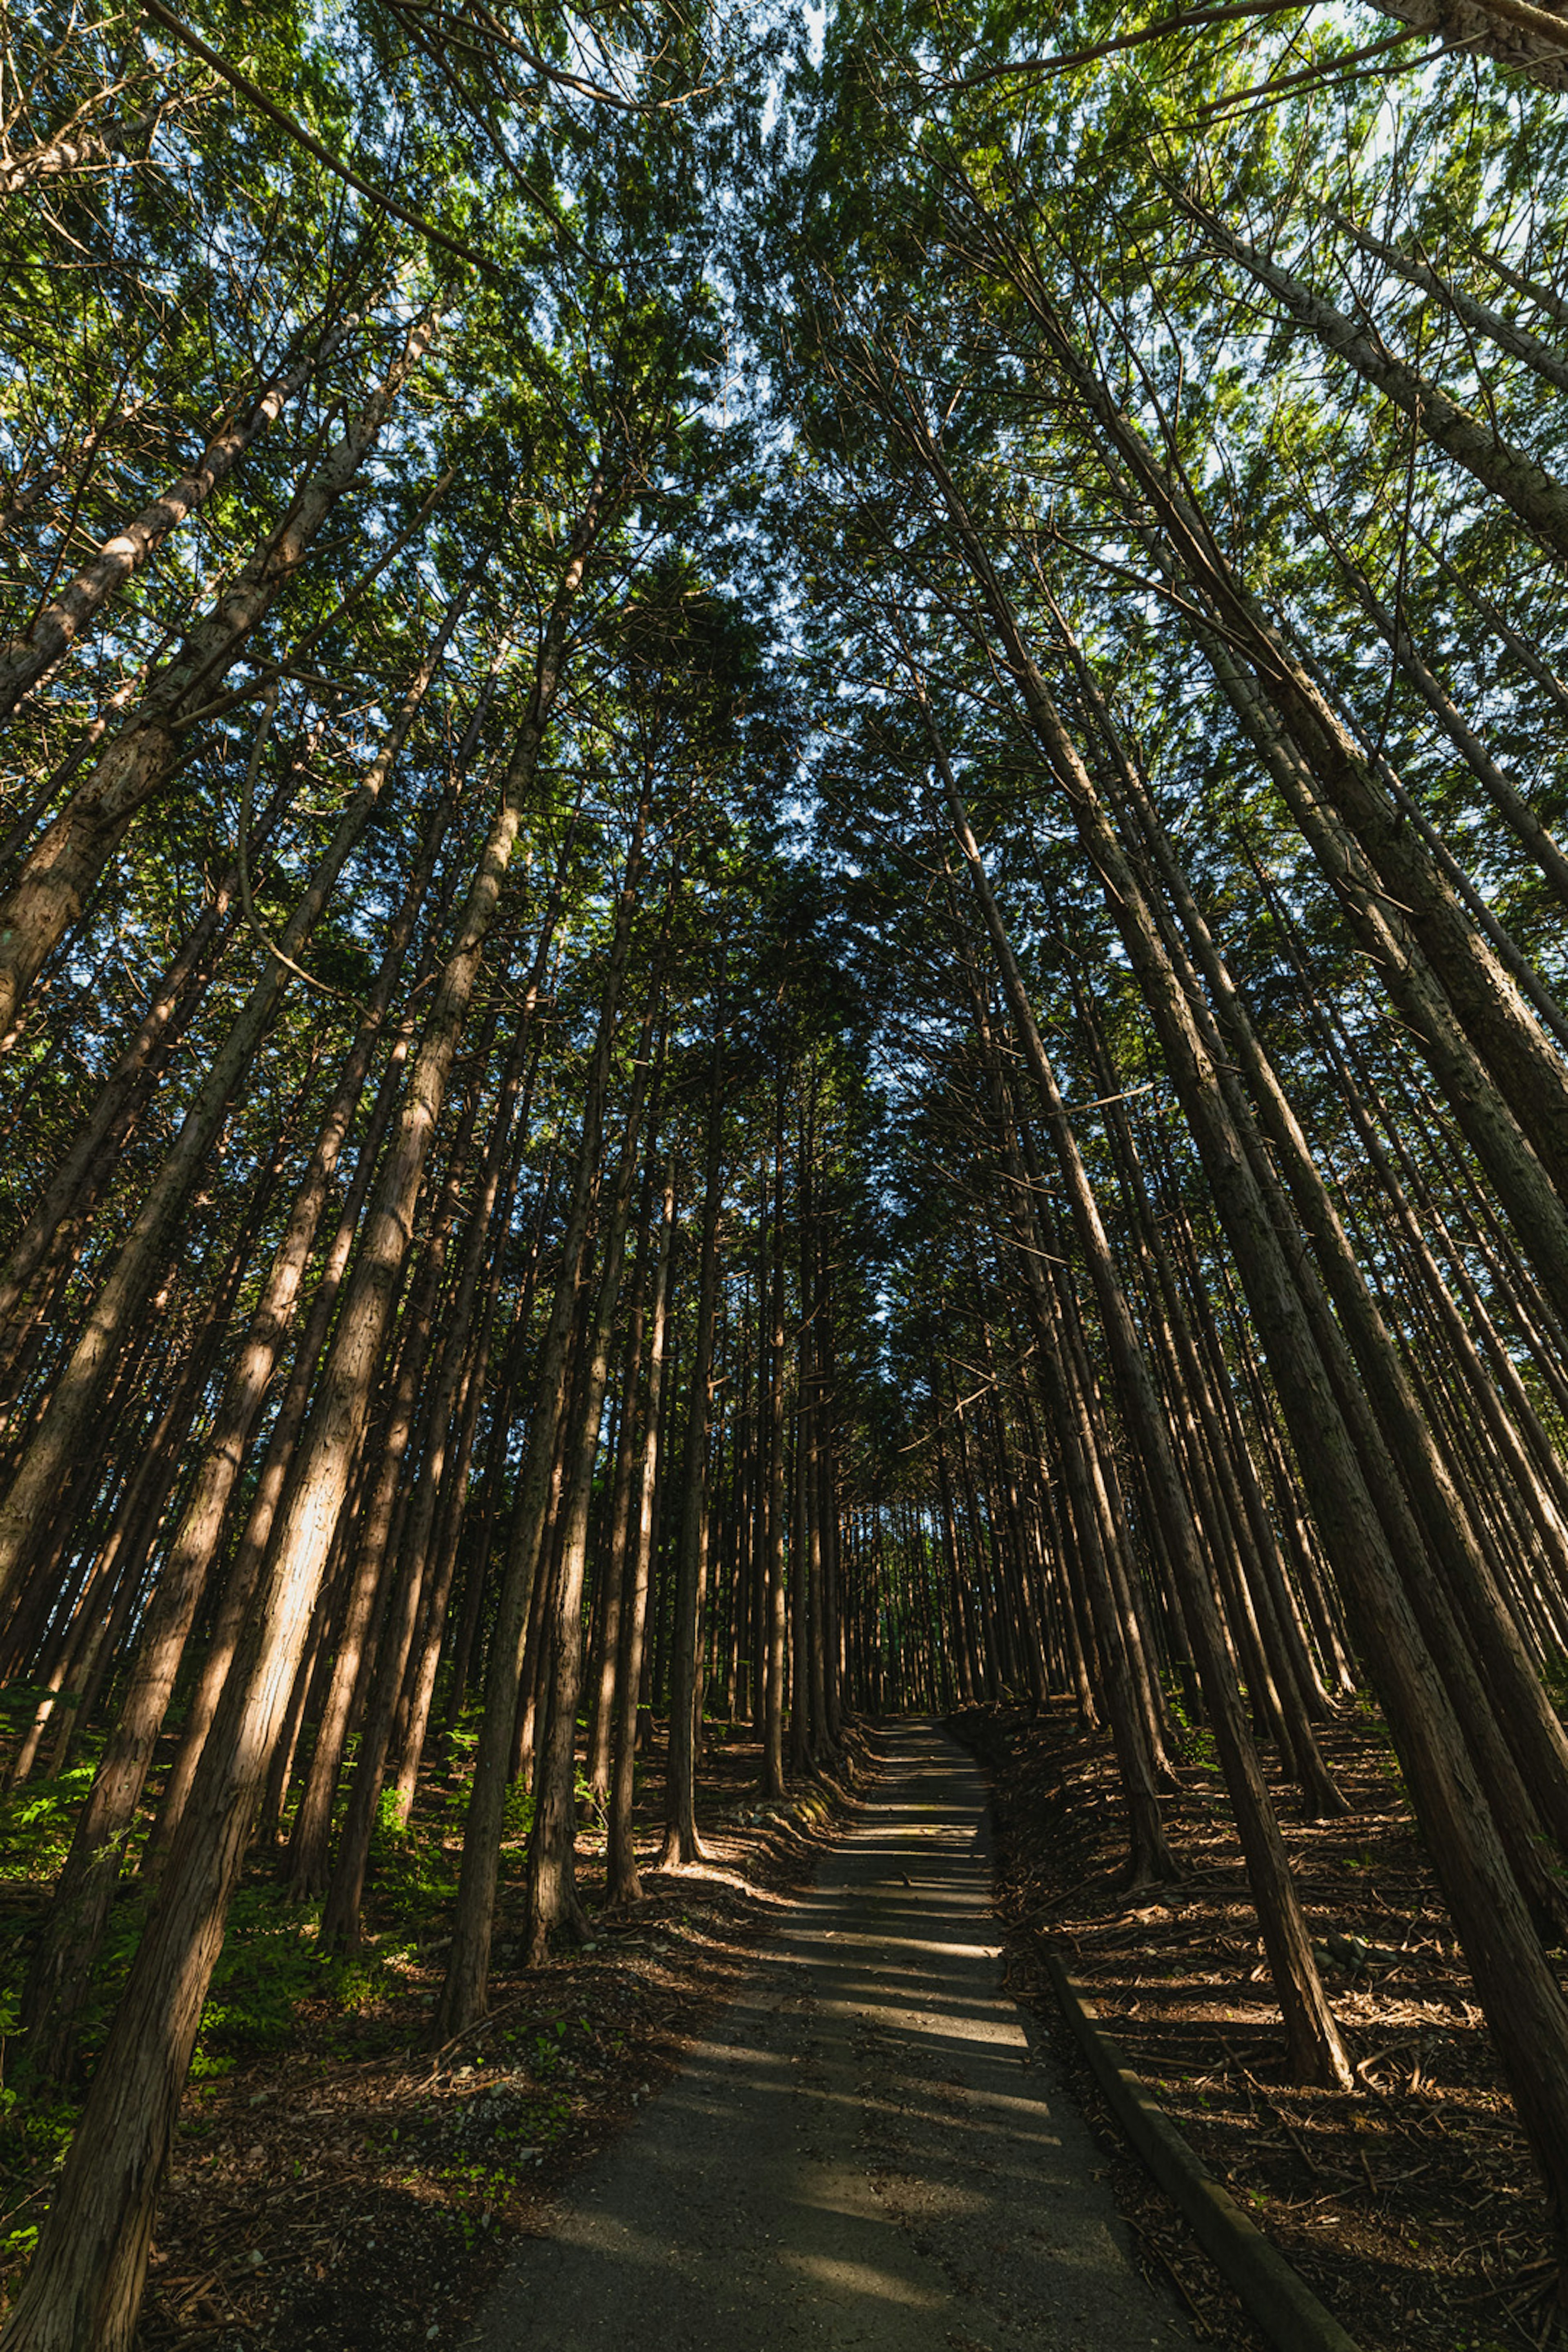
[(1522, 484), (53, 1228), (51, 889), (66, 619), (616, 1574), (395, 1546), (142, 1257), (622, 1883), (467, 1966), (552, 1897), (1316, 2051), (1509, 337), (776, 1604), (84, 2289), (682, 1843)]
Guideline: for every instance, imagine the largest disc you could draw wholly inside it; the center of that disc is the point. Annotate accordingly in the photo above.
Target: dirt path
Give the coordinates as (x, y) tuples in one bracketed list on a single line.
[(864, 2154)]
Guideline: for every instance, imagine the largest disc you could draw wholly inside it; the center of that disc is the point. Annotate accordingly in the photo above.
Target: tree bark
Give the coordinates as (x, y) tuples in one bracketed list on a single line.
[(141, 1259), (621, 1882), (551, 1896), (463, 1989), (51, 888), (65, 620), (682, 1843), (1315, 2050), (84, 2288)]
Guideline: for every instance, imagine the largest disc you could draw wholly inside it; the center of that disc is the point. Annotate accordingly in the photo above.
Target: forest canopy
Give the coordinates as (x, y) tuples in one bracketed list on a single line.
[(782, 936)]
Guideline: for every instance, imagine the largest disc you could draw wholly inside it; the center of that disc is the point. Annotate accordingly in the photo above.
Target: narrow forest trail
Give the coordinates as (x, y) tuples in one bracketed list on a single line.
[(864, 2152)]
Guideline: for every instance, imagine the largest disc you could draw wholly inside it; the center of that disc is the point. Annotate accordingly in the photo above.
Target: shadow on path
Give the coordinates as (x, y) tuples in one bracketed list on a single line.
[(864, 2152)]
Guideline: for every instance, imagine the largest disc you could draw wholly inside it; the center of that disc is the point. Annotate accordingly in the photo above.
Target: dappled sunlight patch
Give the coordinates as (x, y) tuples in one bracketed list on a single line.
[(337, 2186), (1411, 2207)]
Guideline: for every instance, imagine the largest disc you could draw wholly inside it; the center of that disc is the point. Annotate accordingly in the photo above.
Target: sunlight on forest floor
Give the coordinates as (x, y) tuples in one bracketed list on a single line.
[(1411, 2208), (336, 2184), (861, 2149)]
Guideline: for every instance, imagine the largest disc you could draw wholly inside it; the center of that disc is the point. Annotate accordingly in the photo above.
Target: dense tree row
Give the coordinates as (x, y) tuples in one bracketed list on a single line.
[(781, 936)]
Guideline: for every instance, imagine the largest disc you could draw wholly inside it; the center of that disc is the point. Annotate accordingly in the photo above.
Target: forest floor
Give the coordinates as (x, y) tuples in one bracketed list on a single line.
[(339, 2185), (866, 2148), (1411, 2207)]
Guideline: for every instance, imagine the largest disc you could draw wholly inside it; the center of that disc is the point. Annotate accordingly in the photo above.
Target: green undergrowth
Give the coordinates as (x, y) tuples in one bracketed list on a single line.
[(273, 1984), (271, 1969), (35, 1825), (274, 1990)]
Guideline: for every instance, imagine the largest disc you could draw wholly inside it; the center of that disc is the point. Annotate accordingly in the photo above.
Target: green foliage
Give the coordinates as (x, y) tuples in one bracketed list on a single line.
[(35, 2137), (36, 1820), (848, 352), (268, 1966)]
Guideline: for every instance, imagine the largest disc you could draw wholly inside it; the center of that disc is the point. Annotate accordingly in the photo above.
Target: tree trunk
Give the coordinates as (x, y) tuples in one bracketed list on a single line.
[(551, 1896), (51, 889), (84, 2288), (776, 1605), (1522, 484), (142, 1257), (463, 1990), (622, 1883), (65, 620), (683, 1845), (1315, 2050)]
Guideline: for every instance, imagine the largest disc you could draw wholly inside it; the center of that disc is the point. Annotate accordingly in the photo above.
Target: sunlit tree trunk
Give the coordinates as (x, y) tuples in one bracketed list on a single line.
[(51, 890), (68, 619), (84, 2288), (142, 1257), (463, 1989)]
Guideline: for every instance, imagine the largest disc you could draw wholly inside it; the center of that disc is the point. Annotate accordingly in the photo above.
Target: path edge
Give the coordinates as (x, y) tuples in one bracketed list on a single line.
[(1276, 2297)]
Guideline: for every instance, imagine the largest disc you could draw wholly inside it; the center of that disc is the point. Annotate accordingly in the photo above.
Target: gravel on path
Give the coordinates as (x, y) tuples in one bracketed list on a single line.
[(865, 2152)]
